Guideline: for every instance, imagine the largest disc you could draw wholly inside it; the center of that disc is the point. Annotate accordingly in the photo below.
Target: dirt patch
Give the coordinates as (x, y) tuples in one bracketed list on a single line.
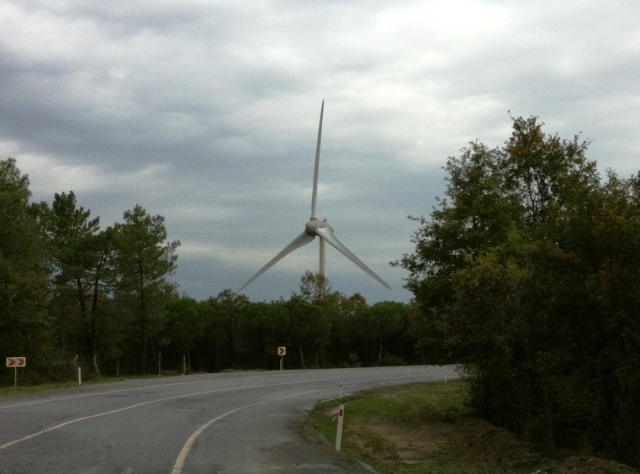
[(591, 465), (462, 441), (465, 443), (429, 429)]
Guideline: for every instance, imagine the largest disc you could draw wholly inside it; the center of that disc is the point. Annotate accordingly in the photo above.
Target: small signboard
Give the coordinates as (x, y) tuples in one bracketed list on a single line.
[(282, 351), (16, 361)]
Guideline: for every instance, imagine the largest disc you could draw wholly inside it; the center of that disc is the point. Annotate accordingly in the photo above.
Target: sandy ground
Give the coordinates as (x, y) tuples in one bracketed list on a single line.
[(468, 441)]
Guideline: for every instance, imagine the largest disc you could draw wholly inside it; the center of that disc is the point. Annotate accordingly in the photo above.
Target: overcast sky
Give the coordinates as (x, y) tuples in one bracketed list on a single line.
[(206, 112)]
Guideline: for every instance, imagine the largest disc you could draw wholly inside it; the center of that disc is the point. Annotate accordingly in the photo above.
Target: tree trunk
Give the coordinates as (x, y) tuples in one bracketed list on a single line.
[(95, 365), (94, 309), (83, 314), (143, 326), (301, 357)]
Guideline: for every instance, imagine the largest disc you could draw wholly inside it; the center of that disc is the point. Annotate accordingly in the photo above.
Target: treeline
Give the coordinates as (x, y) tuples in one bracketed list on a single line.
[(75, 295), (319, 328), (70, 290), (528, 272)]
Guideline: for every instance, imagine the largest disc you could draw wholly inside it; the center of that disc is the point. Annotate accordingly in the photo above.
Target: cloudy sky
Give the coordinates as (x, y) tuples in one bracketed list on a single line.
[(206, 112)]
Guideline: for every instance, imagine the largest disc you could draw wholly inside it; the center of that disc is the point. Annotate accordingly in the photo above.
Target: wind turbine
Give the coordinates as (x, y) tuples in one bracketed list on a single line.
[(316, 228)]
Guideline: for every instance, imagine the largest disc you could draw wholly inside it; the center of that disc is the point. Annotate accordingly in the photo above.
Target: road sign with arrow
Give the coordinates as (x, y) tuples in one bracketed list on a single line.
[(282, 351), (16, 361)]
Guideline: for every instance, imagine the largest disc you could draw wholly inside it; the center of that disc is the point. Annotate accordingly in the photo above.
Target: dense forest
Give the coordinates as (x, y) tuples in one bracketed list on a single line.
[(528, 273), (75, 295)]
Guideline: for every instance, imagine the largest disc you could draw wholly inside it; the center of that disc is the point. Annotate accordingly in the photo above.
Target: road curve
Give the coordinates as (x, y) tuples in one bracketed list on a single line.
[(215, 423)]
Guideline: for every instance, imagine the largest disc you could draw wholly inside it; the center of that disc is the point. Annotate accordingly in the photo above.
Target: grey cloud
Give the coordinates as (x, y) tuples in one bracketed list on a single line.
[(207, 113)]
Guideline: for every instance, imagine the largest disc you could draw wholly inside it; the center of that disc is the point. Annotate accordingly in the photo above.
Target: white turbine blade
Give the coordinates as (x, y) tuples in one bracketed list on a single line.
[(316, 167), (326, 234), (296, 243)]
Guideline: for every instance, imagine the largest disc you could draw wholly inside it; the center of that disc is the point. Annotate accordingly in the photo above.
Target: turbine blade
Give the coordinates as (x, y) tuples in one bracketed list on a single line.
[(326, 234), (316, 167), (302, 239)]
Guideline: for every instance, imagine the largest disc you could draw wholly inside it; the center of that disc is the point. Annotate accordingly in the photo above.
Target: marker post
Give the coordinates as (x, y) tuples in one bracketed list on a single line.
[(340, 424)]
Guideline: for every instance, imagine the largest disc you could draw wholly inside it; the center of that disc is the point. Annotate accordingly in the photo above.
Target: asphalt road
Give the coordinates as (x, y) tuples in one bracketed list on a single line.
[(216, 423)]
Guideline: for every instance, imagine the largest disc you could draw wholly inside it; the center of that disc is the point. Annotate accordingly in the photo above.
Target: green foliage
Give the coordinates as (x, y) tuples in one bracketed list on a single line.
[(143, 258), (528, 274), (185, 323), (226, 311), (25, 326), (74, 295), (78, 255), (71, 294)]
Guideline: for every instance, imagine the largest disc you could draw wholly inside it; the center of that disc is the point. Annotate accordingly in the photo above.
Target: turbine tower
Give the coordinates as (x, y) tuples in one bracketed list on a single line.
[(317, 228)]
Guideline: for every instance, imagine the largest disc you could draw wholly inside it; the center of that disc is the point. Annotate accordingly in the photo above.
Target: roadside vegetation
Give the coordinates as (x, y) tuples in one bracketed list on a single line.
[(74, 294), (21, 389), (527, 273), (431, 429)]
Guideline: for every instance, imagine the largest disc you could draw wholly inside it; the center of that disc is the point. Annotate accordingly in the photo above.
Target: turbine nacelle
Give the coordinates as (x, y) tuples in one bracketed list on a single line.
[(314, 225)]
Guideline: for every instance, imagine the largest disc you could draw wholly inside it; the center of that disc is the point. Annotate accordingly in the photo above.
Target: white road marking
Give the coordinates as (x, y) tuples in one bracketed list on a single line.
[(84, 395), (179, 464), (111, 412)]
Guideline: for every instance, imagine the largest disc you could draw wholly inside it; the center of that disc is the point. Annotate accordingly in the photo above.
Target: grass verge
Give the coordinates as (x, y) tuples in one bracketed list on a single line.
[(46, 387), (428, 429)]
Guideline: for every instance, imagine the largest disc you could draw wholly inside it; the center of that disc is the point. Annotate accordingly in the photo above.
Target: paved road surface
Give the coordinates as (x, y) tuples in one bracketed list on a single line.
[(216, 423)]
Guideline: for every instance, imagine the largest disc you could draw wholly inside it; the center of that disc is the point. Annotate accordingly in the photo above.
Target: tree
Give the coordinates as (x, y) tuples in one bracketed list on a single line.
[(143, 260), (227, 310), (25, 326), (476, 213), (186, 322), (302, 317), (314, 287), (345, 330), (316, 290), (78, 255), (263, 328), (528, 275), (387, 318)]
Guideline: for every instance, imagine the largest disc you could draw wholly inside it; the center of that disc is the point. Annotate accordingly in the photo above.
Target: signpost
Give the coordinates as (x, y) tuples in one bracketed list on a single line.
[(16, 362), (282, 351)]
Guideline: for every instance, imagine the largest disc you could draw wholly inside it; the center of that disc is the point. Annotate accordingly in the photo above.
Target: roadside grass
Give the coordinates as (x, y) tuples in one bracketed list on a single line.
[(429, 429), (9, 391), (411, 404), (375, 422)]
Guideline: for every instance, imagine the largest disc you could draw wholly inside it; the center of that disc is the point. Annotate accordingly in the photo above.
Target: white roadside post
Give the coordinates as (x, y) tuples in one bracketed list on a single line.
[(79, 375), (340, 424)]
